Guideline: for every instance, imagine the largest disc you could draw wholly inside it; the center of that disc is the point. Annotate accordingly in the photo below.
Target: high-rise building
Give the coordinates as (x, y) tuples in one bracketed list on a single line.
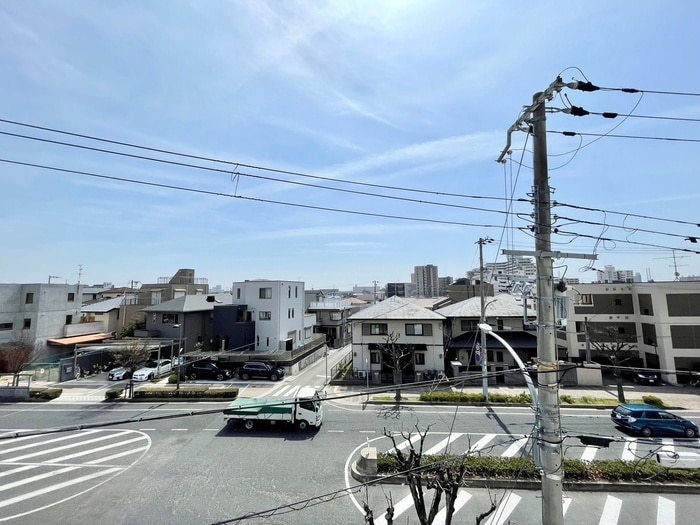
[(426, 280), (611, 275)]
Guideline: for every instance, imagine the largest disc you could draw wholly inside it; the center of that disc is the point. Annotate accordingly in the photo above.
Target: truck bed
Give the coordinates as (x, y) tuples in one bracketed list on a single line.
[(259, 408)]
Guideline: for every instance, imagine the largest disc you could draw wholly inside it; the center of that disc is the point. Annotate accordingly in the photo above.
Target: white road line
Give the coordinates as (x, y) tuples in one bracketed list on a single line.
[(589, 453), (515, 447), (401, 507), (566, 502), (58, 449), (611, 511), (406, 444), (38, 477), (49, 441), (666, 512), (630, 451), (481, 443), (462, 497), (504, 510), (59, 486), (668, 446), (94, 450), (442, 446)]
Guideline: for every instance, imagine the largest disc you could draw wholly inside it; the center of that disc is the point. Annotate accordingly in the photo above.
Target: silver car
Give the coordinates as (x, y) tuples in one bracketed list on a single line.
[(119, 373), (153, 369)]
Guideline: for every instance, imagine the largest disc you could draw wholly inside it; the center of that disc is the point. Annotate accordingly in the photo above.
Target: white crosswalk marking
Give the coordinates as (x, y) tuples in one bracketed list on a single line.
[(481, 443), (589, 453), (515, 447), (630, 451), (666, 512), (566, 502), (504, 510), (611, 511), (667, 446), (462, 497), (43, 470), (442, 446), (406, 444), (401, 507)]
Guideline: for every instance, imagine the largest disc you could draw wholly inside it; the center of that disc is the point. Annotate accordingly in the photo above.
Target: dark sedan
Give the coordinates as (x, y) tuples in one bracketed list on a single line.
[(207, 370)]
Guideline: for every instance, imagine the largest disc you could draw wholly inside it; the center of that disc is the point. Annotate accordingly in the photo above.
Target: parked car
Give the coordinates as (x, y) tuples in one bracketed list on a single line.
[(259, 369), (119, 373), (642, 377), (153, 369), (649, 420), (207, 370)]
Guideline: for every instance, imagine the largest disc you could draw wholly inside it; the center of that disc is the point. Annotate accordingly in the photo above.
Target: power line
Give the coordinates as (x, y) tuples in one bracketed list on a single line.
[(588, 86), (599, 238), (650, 217), (612, 135), (577, 111), (253, 199), (226, 162)]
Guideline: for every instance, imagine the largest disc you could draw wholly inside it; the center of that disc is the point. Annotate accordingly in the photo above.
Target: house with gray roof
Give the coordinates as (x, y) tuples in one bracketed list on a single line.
[(508, 318), (416, 329)]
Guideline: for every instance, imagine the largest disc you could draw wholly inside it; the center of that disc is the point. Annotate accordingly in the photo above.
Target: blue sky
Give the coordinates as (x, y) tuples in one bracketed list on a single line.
[(386, 96)]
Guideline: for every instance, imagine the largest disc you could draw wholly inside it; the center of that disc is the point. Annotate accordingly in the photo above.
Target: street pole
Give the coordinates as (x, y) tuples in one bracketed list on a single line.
[(483, 352), (549, 440)]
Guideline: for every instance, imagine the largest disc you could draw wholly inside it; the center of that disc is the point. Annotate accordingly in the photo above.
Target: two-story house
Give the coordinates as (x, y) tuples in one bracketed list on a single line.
[(416, 329), (277, 307)]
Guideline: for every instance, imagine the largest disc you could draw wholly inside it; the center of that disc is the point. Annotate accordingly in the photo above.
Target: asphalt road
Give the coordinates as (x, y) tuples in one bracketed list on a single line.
[(178, 463)]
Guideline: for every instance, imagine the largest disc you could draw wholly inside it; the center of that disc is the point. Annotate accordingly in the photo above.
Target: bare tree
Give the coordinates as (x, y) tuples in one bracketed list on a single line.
[(618, 349), (133, 354), (394, 355), (15, 355)]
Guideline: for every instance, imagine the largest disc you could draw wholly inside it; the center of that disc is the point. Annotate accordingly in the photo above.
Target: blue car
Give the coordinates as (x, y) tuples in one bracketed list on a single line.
[(649, 420)]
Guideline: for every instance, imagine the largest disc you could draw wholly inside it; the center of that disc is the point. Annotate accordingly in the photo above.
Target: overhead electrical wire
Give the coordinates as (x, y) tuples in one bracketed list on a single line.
[(239, 164), (614, 135)]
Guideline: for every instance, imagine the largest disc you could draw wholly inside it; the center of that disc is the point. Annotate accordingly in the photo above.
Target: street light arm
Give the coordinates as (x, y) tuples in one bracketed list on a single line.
[(486, 328)]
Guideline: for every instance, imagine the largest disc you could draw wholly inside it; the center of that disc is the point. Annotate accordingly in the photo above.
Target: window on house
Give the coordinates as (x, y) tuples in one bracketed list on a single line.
[(375, 358), (257, 340), (466, 325), (499, 324), (307, 333), (265, 316), (620, 329), (489, 355), (238, 293), (336, 316), (378, 329), (169, 318), (71, 297), (289, 292), (69, 319), (6, 326), (584, 298), (267, 341), (419, 358), (296, 292), (292, 313), (29, 298), (265, 293), (414, 329), (27, 324), (499, 356)]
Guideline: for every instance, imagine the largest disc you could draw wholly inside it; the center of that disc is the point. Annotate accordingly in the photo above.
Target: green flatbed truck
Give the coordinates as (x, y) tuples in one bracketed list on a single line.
[(303, 411)]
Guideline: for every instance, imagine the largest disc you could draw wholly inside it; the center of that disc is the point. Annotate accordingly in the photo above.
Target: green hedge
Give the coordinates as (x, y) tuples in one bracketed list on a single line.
[(113, 393), (45, 394), (186, 392), (466, 397), (574, 469)]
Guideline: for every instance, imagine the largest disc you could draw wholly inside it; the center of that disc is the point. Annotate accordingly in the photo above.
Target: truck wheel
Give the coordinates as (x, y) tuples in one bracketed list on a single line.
[(248, 424), (302, 425)]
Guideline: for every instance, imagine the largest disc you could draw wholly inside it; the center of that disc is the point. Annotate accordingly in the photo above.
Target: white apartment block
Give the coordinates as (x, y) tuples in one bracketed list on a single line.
[(611, 275), (277, 307), (661, 320)]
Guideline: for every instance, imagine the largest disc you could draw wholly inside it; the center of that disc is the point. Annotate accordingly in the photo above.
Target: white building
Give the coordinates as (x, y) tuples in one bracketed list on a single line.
[(277, 307), (417, 328), (426, 280), (661, 320), (611, 275)]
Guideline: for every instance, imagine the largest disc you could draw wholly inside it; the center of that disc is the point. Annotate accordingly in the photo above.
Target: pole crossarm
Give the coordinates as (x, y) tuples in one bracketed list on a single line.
[(553, 255)]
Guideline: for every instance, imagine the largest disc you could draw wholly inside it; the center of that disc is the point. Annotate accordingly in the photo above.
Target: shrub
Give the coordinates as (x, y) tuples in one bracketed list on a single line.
[(172, 379), (187, 392), (566, 398), (113, 393), (45, 394), (653, 400)]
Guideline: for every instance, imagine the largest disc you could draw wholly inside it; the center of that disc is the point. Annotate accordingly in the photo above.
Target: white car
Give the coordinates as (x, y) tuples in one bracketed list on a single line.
[(119, 373), (152, 370)]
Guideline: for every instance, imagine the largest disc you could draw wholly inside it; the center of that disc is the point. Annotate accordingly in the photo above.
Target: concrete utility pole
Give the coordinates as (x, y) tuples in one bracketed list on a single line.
[(482, 350), (549, 440)]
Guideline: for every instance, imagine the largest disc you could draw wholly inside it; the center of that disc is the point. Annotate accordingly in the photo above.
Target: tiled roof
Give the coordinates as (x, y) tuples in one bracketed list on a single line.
[(503, 305)]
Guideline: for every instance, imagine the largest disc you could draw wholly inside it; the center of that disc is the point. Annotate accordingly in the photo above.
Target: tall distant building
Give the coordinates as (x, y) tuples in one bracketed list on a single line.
[(611, 275), (426, 280)]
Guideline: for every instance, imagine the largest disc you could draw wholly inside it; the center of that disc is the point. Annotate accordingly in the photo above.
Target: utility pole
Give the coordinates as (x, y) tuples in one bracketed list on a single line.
[(482, 350), (549, 440), (548, 449)]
